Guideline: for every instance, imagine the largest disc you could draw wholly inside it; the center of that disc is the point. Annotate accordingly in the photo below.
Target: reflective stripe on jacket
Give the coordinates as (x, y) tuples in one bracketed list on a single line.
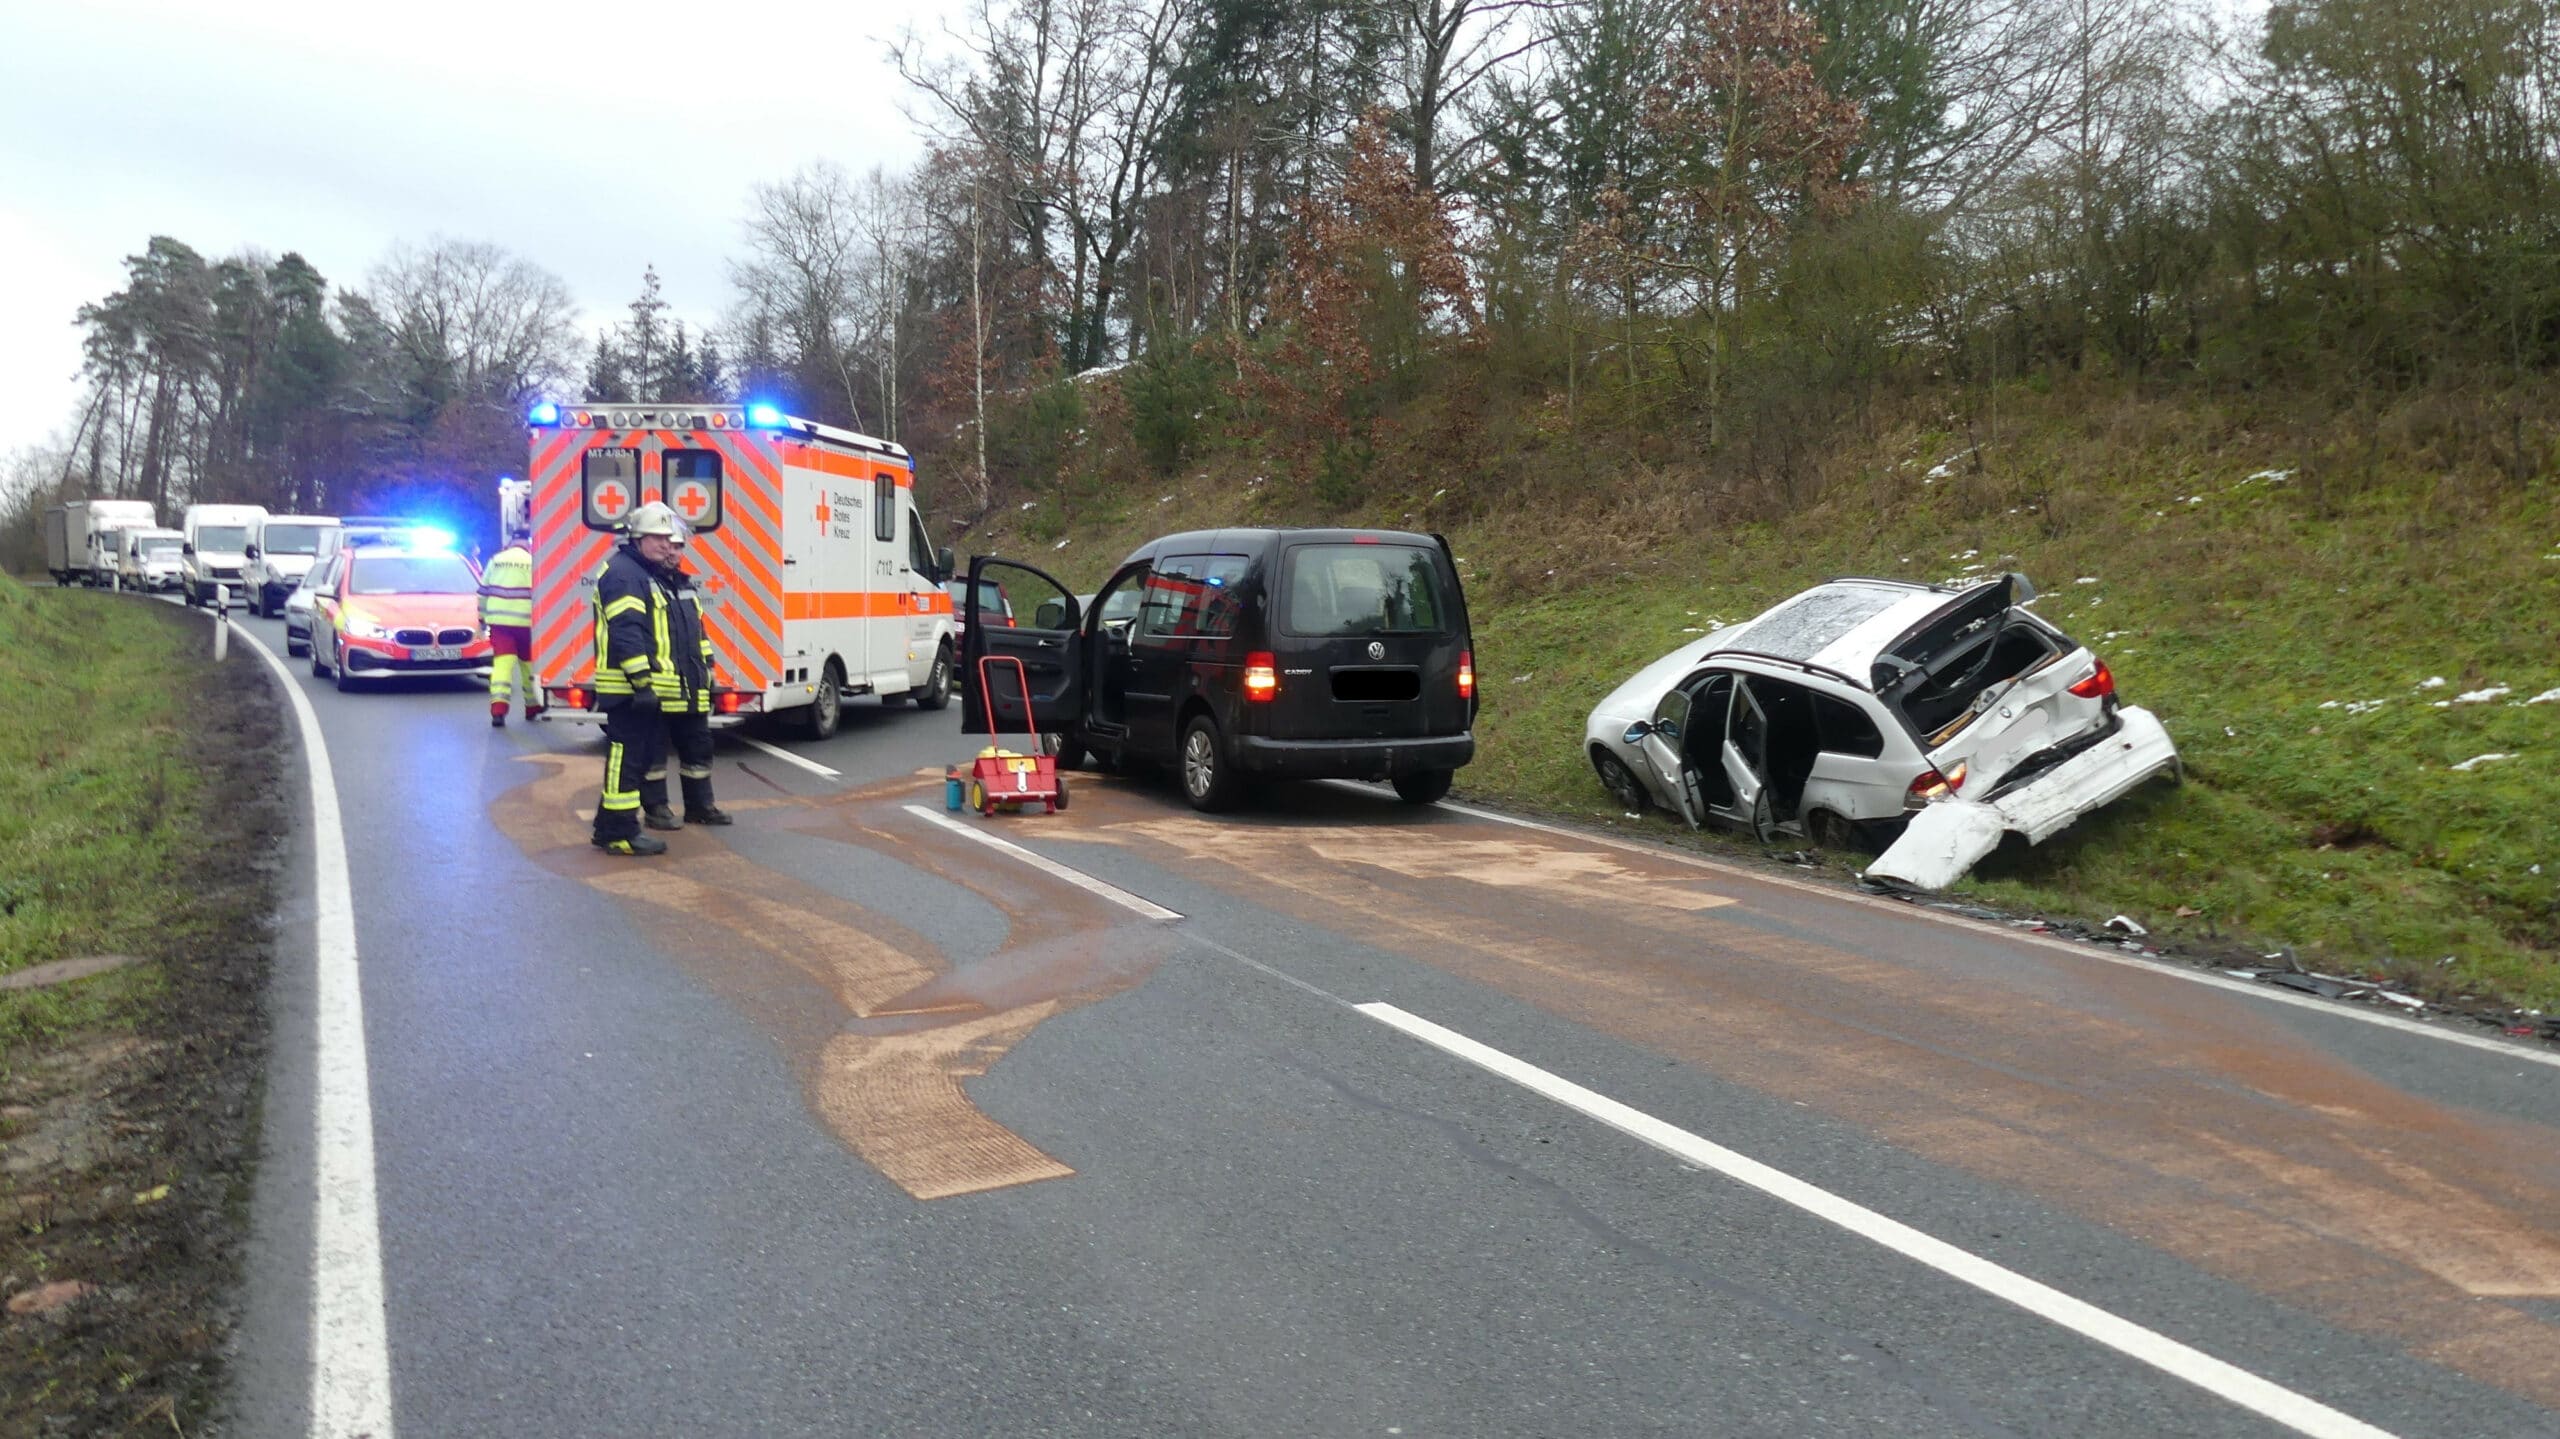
[(649, 635), (506, 588)]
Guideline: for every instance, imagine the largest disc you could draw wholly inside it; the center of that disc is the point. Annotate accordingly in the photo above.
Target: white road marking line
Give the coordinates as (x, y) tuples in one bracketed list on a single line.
[(1146, 908), (787, 757), (2297, 1412), (350, 1349), (2169, 968)]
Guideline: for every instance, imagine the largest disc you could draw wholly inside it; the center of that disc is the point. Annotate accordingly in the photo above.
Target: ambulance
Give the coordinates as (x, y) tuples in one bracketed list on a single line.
[(817, 579)]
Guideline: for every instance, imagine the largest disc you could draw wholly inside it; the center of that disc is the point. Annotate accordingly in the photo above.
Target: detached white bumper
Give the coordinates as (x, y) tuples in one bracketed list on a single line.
[(1950, 837)]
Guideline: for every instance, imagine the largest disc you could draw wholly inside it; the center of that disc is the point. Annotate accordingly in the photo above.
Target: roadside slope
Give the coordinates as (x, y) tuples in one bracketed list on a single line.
[(138, 807), (2250, 575)]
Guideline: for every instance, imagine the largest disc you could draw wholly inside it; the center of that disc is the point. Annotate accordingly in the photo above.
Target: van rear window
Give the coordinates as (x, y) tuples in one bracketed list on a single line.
[(1334, 590)]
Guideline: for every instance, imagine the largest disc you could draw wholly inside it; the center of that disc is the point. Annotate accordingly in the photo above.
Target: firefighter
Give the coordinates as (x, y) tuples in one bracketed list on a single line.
[(684, 709), (506, 608), (635, 672)]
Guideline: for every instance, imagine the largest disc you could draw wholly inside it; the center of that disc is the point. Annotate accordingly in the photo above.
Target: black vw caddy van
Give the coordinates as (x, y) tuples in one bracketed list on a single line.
[(1241, 655)]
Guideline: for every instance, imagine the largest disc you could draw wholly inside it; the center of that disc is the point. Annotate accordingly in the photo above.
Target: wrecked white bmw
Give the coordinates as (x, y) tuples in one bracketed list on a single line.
[(1926, 720)]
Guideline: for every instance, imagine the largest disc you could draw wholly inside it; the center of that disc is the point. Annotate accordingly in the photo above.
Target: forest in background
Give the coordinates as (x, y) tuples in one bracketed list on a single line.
[(1349, 235)]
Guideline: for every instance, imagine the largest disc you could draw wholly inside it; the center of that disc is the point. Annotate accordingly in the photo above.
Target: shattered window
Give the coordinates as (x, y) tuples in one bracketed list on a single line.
[(1811, 622), (1845, 728)]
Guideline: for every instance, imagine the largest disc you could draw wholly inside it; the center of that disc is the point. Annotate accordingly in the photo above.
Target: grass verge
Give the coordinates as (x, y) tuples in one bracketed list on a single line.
[(2259, 581), (138, 807)]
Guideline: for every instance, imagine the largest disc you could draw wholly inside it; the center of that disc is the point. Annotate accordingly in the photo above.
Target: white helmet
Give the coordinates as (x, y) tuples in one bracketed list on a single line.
[(654, 518)]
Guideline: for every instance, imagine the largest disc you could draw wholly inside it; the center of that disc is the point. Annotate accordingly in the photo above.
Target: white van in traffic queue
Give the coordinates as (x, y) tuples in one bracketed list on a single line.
[(816, 578), (148, 558), (282, 549), (215, 549)]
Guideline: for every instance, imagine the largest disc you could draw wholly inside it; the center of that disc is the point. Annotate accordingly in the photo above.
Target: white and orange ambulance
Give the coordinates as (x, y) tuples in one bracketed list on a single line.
[(816, 576)]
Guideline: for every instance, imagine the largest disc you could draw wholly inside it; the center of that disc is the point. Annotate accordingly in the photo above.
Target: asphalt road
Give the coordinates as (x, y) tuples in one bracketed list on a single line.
[(842, 1122)]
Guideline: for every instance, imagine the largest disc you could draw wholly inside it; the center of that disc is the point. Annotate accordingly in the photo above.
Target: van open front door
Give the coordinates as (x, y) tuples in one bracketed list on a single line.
[(1045, 634)]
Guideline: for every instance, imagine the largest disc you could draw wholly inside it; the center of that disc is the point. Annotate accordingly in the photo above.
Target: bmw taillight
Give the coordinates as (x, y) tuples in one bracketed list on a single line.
[(1466, 674), (1937, 784), (1261, 676), (2098, 685)]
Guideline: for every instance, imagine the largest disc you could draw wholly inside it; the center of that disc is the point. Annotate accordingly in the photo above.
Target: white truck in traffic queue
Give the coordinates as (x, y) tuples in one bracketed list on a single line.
[(282, 549), (80, 538), (816, 577), (147, 557), (215, 549)]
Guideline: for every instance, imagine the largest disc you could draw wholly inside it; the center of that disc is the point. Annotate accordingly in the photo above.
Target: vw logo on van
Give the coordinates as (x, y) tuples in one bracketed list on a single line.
[(1377, 650)]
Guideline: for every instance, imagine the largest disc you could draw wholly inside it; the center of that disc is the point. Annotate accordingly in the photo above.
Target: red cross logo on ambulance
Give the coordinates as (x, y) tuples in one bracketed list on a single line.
[(697, 501), (609, 500)]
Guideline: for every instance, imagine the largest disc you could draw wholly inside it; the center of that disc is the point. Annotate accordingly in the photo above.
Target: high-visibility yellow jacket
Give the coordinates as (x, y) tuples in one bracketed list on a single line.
[(649, 634), (506, 588)]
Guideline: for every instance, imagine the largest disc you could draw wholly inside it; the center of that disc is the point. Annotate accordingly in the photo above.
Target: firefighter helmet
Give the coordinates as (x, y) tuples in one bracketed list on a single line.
[(654, 518)]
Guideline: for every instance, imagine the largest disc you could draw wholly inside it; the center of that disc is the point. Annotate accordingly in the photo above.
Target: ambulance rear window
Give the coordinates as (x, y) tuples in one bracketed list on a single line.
[(693, 487)]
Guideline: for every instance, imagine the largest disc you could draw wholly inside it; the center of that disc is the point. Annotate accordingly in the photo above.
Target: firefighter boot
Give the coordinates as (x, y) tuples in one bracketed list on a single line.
[(638, 844), (698, 808), (660, 817)]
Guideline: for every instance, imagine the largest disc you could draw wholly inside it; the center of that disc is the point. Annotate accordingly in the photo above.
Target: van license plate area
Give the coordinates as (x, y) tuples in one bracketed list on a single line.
[(1369, 684)]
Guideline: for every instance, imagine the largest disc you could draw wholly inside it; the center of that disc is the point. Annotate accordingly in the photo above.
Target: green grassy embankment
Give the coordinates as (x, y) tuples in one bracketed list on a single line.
[(96, 803), (139, 805), (2241, 574)]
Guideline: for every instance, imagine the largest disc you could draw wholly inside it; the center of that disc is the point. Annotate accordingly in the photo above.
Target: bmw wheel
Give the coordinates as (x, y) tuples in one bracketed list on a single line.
[(1620, 782)]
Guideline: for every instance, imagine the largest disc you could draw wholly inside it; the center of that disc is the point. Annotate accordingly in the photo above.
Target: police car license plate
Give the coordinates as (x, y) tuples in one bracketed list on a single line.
[(437, 652)]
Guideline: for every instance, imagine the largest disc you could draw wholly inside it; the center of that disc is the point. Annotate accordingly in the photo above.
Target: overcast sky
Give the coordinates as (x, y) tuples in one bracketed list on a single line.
[(591, 138)]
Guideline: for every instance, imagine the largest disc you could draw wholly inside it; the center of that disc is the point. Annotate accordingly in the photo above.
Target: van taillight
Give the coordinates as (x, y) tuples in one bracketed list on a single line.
[(2098, 685), (1934, 784), (1466, 674), (1261, 675)]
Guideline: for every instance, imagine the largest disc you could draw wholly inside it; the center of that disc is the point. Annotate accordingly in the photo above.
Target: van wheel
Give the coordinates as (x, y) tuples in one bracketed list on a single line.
[(1208, 781), (295, 649), (1424, 786), (826, 710), (937, 686)]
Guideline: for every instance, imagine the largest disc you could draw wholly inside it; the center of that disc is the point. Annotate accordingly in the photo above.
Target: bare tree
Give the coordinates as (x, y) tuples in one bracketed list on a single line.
[(474, 324)]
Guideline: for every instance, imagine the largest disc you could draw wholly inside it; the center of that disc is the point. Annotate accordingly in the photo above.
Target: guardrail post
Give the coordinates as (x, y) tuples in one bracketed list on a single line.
[(221, 623)]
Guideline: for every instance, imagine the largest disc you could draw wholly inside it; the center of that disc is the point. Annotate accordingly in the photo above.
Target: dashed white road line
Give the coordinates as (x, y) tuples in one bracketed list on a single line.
[(1146, 908), (350, 1350), (2295, 1411), (2224, 1380), (787, 757)]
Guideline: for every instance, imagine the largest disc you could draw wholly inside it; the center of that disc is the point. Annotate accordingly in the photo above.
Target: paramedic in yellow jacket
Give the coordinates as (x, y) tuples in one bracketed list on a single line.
[(653, 680), (506, 609)]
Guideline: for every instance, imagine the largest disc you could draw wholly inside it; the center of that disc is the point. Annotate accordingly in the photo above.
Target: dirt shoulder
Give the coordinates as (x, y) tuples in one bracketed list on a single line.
[(141, 787)]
